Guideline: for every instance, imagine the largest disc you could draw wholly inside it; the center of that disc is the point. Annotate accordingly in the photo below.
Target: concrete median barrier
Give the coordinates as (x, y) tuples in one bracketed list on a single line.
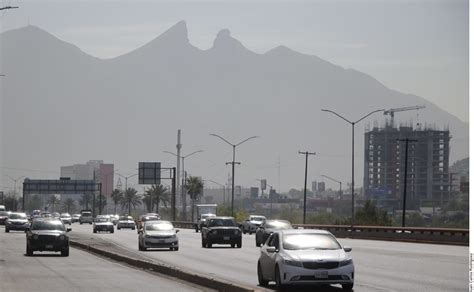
[(162, 268)]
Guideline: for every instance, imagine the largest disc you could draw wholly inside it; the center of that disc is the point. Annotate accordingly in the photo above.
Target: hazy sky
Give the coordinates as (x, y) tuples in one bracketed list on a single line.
[(412, 46)]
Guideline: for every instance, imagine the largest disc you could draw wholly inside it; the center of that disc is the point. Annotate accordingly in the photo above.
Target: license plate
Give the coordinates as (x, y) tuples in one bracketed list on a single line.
[(49, 246), (226, 237), (321, 275)]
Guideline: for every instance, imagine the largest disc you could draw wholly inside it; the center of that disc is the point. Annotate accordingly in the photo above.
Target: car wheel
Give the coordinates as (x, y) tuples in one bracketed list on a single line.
[(257, 243), (7, 230), (112, 231), (80, 223), (261, 281), (347, 287), (232, 245), (243, 231), (176, 248), (239, 244), (197, 230), (209, 245), (140, 248), (95, 231), (29, 250), (133, 228), (203, 243), (65, 252), (90, 223), (278, 278)]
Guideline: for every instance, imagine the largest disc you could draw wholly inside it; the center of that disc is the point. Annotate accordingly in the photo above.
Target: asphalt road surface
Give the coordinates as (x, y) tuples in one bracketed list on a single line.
[(81, 271), (380, 265)]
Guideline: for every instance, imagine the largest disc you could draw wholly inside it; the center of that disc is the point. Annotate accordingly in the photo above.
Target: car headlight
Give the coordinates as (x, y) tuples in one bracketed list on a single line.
[(173, 236), (62, 237), (292, 263), (345, 263), (214, 231), (35, 236), (236, 232)]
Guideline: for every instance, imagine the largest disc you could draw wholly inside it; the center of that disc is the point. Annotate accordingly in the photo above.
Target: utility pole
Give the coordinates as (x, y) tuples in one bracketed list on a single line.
[(173, 195), (305, 181), (406, 140)]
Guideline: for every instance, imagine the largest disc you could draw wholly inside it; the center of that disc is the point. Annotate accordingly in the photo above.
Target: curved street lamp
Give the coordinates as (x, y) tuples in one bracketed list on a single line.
[(233, 163), (353, 124)]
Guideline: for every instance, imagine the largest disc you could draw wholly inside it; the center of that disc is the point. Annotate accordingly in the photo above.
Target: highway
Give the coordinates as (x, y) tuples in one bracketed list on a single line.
[(81, 271), (380, 265)]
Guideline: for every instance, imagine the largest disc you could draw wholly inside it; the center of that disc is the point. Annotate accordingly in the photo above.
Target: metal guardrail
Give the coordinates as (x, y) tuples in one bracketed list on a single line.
[(450, 236)]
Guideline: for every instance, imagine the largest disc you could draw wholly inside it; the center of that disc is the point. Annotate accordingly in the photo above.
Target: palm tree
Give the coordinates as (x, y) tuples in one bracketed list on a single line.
[(158, 194), (130, 198), (194, 185), (117, 196), (53, 200), (68, 205)]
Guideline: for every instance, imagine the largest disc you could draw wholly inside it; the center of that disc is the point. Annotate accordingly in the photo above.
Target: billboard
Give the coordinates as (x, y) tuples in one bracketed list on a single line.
[(263, 184), (149, 173)]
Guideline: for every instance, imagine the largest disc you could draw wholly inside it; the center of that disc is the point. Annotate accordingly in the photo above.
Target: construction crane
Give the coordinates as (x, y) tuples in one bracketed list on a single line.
[(392, 111)]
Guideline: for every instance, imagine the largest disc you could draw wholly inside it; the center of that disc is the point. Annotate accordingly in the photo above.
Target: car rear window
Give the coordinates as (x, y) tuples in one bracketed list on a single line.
[(221, 222), (47, 225)]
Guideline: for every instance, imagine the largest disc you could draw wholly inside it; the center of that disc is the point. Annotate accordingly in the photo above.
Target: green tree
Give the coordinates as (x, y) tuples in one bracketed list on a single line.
[(11, 202), (53, 201), (370, 215), (34, 202), (69, 205), (130, 199), (194, 187), (157, 194), (117, 196)]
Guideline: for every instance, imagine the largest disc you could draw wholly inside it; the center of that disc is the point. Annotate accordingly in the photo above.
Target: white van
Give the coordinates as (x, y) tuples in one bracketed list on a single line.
[(2, 207)]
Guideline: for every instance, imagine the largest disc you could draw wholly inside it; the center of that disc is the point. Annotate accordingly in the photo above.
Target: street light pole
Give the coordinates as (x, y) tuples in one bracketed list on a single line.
[(352, 180), (233, 163), (183, 190), (8, 7), (223, 188), (335, 180)]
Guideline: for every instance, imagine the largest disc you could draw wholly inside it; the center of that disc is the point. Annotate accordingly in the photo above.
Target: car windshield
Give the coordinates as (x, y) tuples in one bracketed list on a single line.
[(257, 218), (65, 216), (86, 214), (310, 241), (162, 226), (278, 225), (125, 218), (149, 218), (47, 225), (221, 222), (17, 216)]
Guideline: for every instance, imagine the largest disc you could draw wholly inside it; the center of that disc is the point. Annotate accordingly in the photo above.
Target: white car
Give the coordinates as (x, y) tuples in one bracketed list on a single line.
[(66, 218), (302, 256), (125, 222), (158, 234), (252, 223)]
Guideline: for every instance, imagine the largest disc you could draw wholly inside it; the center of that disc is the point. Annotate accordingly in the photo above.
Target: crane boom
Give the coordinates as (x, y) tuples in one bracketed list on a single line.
[(400, 109)]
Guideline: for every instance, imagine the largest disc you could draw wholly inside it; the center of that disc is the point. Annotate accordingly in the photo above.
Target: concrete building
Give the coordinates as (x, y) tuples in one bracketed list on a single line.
[(428, 165), (93, 169)]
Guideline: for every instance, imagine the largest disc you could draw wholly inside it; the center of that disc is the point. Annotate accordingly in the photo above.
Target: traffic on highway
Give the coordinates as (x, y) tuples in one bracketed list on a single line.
[(288, 258)]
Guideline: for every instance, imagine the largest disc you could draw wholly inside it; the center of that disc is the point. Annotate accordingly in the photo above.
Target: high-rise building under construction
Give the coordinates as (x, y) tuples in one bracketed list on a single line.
[(427, 165)]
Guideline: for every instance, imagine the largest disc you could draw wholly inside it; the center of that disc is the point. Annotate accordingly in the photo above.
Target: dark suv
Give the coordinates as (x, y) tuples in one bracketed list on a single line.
[(221, 230), (47, 234)]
